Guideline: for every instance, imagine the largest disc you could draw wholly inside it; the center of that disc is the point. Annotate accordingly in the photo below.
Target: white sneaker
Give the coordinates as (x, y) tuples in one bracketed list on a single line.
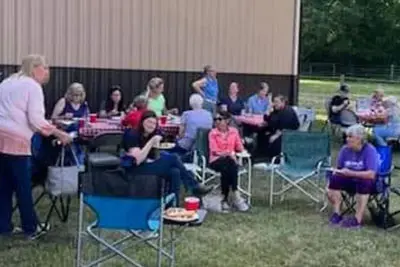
[(41, 229), (225, 207), (238, 202)]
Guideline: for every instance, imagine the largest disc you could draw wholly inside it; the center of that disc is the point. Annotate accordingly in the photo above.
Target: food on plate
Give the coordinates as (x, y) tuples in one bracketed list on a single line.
[(166, 145), (180, 213)]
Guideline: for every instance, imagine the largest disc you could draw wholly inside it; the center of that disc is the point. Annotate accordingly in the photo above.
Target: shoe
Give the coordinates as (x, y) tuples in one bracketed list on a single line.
[(41, 230), (350, 223), (238, 202), (335, 219), (202, 190), (225, 208)]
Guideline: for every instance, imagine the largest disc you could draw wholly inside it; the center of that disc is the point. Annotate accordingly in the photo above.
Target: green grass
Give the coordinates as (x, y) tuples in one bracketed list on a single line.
[(292, 233)]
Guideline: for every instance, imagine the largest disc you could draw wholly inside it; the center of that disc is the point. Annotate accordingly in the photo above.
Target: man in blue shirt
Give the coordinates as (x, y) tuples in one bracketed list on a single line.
[(259, 103)]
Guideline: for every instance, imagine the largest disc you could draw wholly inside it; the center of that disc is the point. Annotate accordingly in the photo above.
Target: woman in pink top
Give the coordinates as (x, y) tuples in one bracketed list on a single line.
[(21, 114), (224, 142)]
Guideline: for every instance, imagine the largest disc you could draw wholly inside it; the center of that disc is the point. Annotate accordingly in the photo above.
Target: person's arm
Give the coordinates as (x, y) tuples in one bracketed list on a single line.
[(182, 126), (238, 143), (198, 85), (103, 111), (338, 105), (131, 145), (36, 116), (58, 108)]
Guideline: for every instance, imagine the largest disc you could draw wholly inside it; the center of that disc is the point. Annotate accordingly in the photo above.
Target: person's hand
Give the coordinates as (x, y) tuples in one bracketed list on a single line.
[(69, 115), (273, 138), (174, 111), (113, 112), (65, 138), (233, 156), (155, 140), (346, 103), (342, 172)]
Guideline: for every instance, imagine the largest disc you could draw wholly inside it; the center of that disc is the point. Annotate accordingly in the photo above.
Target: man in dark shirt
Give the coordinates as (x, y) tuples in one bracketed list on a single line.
[(283, 117), (339, 103)]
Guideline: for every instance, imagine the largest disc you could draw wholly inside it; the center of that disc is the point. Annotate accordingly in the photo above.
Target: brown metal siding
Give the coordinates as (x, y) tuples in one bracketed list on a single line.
[(237, 36)]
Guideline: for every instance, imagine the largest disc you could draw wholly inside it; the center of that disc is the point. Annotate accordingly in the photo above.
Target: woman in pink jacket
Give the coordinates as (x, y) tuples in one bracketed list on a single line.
[(22, 114), (224, 142)]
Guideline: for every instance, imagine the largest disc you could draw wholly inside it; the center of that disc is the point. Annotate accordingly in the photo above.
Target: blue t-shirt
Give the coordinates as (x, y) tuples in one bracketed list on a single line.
[(211, 89), (234, 107), (257, 104), (193, 120)]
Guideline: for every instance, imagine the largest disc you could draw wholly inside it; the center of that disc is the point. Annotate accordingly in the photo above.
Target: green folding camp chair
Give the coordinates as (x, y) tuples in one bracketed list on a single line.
[(304, 156)]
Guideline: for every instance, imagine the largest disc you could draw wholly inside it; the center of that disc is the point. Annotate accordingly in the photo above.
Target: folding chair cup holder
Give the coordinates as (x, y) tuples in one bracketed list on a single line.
[(295, 171), (133, 205)]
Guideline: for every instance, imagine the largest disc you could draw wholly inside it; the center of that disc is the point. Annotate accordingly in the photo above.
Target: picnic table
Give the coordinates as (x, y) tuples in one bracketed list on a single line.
[(371, 117), (251, 119)]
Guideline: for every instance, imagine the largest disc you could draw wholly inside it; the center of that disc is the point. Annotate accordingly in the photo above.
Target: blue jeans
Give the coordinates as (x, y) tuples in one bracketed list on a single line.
[(171, 167), (15, 176), (210, 106), (382, 132)]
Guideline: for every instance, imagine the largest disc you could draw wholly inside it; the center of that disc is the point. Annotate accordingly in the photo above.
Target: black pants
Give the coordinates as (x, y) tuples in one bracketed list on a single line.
[(267, 149), (228, 169)]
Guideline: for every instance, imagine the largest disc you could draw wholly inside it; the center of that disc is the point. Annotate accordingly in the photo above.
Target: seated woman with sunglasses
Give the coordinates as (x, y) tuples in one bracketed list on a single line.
[(143, 157), (224, 142)]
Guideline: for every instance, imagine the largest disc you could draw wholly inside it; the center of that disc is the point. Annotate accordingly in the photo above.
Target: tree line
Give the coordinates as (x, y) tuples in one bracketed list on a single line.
[(350, 32)]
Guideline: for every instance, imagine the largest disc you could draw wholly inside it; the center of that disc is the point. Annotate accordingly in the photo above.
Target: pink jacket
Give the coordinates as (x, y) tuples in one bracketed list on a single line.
[(220, 142), (21, 114)]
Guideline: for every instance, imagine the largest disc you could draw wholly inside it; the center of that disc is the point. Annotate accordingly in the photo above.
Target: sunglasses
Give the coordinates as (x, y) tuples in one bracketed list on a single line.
[(219, 119)]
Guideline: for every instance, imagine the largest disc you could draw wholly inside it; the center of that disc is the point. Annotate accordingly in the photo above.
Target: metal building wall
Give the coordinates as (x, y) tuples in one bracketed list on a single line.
[(103, 42)]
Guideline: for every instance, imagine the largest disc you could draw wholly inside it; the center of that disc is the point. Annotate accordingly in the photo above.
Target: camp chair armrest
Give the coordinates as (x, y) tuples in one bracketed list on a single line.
[(274, 159), (155, 215)]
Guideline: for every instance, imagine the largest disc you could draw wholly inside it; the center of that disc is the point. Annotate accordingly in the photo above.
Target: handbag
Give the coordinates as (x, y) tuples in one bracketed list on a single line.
[(61, 179)]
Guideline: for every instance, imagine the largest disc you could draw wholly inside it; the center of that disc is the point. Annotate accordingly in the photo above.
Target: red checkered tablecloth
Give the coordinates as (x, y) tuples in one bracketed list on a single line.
[(93, 129), (170, 129), (254, 120)]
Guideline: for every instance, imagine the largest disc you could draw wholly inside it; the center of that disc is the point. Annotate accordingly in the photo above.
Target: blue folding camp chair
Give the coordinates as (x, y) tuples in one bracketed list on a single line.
[(129, 204), (379, 201)]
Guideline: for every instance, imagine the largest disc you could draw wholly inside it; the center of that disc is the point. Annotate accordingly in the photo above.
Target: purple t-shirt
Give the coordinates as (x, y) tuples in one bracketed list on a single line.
[(364, 160), (193, 120)]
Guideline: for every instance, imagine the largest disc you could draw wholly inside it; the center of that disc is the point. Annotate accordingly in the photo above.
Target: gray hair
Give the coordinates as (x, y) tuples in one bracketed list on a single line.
[(357, 130), (196, 101), (28, 64), (76, 88), (139, 99)]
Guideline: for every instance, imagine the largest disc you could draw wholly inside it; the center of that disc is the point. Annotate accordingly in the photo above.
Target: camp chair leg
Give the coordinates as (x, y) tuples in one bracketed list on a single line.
[(172, 248), (271, 189), (80, 233)]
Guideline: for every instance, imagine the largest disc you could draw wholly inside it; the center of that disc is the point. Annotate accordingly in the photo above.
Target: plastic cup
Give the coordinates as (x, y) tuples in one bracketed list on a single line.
[(192, 203), (163, 119), (93, 117)]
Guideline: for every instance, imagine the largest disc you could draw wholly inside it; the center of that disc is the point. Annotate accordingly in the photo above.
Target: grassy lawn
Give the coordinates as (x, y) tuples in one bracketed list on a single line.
[(292, 233)]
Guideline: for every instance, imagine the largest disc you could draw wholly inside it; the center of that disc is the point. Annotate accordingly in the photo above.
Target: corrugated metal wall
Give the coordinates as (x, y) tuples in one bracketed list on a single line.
[(239, 36)]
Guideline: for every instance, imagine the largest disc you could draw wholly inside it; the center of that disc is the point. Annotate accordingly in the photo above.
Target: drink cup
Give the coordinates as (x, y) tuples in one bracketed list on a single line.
[(93, 117), (192, 203)]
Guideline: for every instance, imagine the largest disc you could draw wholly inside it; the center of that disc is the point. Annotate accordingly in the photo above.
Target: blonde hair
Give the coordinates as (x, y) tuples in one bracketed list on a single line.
[(75, 88), (154, 83), (29, 63)]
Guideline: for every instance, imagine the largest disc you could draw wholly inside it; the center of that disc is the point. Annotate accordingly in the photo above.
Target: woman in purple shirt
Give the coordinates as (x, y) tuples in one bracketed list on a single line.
[(357, 166)]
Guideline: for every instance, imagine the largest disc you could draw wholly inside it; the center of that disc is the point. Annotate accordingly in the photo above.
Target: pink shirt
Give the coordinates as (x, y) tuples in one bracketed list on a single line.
[(220, 142), (22, 113)]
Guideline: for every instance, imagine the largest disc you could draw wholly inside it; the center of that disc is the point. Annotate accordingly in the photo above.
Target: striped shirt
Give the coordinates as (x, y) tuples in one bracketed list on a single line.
[(22, 113)]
